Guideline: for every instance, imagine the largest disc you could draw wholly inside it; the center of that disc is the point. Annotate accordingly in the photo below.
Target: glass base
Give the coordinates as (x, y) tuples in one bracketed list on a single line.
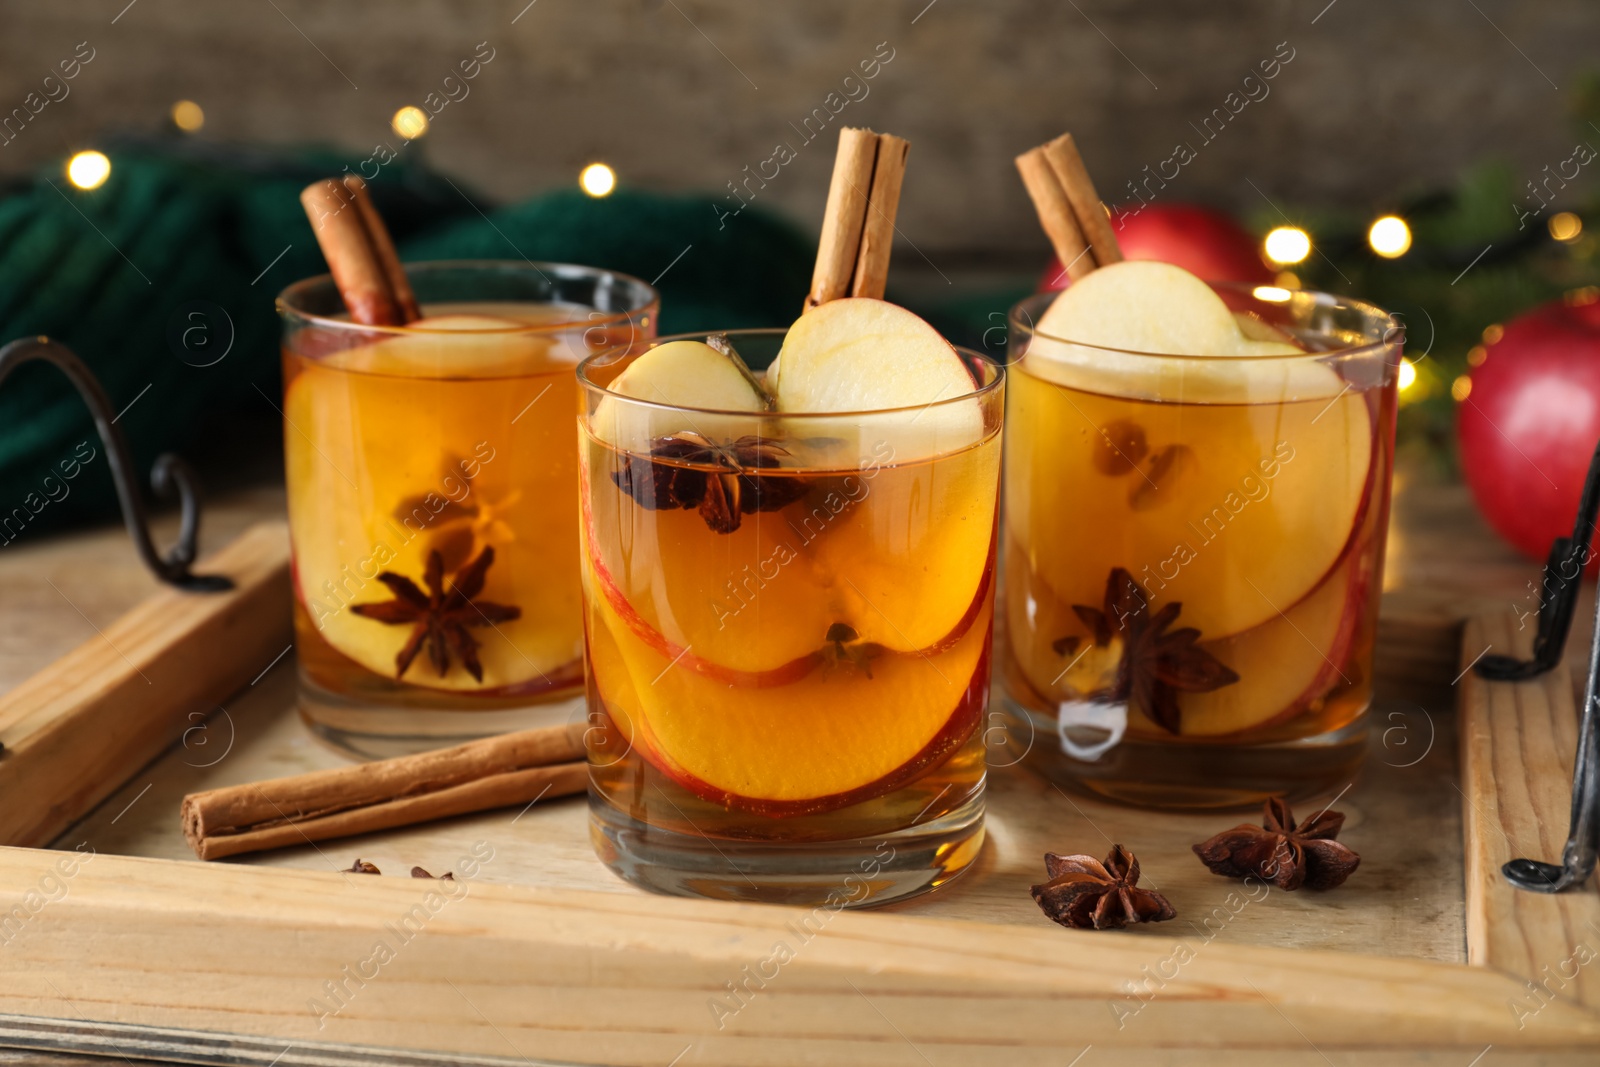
[(854, 873), (1191, 777), (368, 730)]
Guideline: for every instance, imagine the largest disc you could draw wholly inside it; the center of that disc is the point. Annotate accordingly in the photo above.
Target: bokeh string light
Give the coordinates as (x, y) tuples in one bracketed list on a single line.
[(597, 180), (188, 116), (1389, 236), (88, 170), (410, 122), (1287, 245)]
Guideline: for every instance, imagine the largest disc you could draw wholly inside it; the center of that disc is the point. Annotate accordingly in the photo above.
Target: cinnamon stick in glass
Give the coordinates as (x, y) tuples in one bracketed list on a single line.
[(877, 232), (1069, 169), (345, 236), (1069, 208), (495, 772), (1055, 213), (858, 223), (383, 248)]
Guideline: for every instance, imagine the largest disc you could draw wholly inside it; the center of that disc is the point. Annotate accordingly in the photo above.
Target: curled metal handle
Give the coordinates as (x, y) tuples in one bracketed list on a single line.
[(170, 476), (1583, 834), (1558, 591), (1563, 574)]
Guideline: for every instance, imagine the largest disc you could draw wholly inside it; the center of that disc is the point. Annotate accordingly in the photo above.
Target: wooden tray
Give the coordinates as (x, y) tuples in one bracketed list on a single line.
[(1425, 956)]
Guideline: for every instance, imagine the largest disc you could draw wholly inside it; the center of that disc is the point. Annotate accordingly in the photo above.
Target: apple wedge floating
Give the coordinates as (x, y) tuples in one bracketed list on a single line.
[(817, 744), (679, 374), (344, 535), (1282, 479), (859, 355)]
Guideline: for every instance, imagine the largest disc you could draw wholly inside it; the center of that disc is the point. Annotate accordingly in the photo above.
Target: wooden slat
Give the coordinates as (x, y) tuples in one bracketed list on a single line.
[(77, 729), (1517, 747), (597, 978)]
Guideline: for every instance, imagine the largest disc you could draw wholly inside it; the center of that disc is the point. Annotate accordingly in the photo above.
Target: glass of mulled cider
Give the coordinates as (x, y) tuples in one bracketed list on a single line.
[(432, 489), (789, 611), (1197, 491)]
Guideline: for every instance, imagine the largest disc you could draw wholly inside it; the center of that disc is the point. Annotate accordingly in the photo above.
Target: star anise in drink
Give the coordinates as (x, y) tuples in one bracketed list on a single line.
[(1087, 894), (441, 617), (1157, 663), (846, 650), (719, 479), (1280, 852)]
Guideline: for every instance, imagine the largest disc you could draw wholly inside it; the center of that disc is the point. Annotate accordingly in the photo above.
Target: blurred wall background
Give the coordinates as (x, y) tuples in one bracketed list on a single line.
[(1378, 97)]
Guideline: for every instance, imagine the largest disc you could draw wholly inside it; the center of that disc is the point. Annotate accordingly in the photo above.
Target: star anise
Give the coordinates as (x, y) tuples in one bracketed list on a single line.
[(463, 519), (676, 475), (422, 872), (1156, 664), (440, 618), (1084, 893), (1280, 852), (361, 866), (845, 649)]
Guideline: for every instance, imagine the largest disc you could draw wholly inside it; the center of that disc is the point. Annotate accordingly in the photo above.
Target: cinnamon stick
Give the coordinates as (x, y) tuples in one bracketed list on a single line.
[(877, 233), (844, 217), (495, 772), (1055, 213), (1070, 171), (383, 247), (352, 257), (858, 223)]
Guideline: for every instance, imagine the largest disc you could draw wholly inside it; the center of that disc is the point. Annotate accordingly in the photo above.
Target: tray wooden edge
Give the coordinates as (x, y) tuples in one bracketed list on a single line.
[(77, 730), (586, 977), (1518, 742)]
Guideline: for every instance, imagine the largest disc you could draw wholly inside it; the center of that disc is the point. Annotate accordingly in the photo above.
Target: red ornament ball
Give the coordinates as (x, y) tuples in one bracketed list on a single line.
[(1530, 420), (1203, 241)]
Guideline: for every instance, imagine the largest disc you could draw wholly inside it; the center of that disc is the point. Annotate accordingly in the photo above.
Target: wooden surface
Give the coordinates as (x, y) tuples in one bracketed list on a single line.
[(1517, 748), (591, 977), (1406, 901), (139, 685)]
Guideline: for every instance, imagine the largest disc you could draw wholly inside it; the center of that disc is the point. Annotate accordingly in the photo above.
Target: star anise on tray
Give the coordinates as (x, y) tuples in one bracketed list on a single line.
[(1157, 663), (440, 618), (1087, 894), (422, 872), (361, 866), (676, 475), (1282, 853)]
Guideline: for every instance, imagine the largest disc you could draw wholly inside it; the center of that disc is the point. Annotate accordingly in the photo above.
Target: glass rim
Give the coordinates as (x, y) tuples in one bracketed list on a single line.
[(1368, 310), (978, 392), (285, 302)]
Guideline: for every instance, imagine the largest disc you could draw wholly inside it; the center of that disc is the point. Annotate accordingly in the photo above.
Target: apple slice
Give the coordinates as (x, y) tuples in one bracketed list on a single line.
[(1141, 305), (907, 559), (457, 346), (836, 737), (766, 622), (706, 598), (1104, 335), (1232, 510), (863, 355), (1284, 665), (376, 489), (680, 374)]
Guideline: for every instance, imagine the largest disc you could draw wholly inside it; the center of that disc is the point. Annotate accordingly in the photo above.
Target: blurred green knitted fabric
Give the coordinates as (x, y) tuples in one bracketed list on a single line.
[(116, 274), (753, 271)]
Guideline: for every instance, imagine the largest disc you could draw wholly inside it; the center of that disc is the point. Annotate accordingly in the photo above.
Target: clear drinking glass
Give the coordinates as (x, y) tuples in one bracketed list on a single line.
[(788, 632), (433, 486), (1193, 554)]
